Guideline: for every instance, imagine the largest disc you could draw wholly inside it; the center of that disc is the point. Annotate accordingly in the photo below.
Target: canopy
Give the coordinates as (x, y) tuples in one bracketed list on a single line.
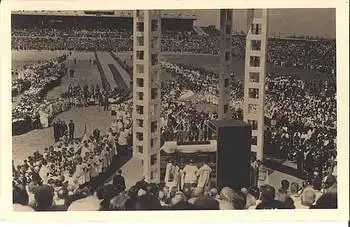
[(172, 147)]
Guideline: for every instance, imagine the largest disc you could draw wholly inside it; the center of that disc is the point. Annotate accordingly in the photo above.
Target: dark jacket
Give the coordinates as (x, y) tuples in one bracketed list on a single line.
[(118, 181)]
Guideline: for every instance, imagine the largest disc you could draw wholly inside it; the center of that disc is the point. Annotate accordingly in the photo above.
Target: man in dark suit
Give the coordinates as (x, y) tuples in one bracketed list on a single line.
[(71, 130), (119, 181)]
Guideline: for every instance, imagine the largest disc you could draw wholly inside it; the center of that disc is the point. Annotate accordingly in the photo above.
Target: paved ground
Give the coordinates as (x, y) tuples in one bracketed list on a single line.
[(94, 117), (85, 73)]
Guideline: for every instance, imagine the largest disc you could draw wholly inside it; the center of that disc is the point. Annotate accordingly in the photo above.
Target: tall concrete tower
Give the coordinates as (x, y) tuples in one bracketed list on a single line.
[(254, 78), (146, 91), (225, 62)]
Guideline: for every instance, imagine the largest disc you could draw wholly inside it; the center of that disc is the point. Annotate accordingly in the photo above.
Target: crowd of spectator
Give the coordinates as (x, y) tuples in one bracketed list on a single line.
[(313, 55), (300, 120), (32, 105), (58, 196), (300, 115)]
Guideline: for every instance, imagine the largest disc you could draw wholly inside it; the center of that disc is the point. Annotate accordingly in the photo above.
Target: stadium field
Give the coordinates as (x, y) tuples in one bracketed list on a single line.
[(211, 63)]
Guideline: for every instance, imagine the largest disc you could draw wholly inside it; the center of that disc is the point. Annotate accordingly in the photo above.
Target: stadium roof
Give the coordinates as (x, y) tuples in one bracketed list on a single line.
[(100, 13)]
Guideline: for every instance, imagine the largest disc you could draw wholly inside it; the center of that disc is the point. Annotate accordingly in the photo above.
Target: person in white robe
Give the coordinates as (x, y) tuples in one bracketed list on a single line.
[(203, 175), (169, 175), (43, 173), (85, 149), (79, 175), (190, 174), (44, 118)]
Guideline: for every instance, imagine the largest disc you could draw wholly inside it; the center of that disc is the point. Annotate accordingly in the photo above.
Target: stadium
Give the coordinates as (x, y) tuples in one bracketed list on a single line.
[(75, 79)]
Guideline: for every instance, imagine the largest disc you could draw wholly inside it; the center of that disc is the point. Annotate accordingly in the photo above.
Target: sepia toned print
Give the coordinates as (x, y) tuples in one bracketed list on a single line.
[(169, 110)]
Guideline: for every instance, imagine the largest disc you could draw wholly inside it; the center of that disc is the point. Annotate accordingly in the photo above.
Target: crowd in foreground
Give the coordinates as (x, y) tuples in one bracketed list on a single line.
[(314, 55), (149, 196)]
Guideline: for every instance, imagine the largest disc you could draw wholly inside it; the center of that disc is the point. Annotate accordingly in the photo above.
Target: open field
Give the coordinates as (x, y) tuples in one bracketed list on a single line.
[(211, 63)]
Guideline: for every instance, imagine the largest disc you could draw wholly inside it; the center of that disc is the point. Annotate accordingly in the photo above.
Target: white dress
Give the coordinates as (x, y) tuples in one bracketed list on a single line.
[(204, 176)]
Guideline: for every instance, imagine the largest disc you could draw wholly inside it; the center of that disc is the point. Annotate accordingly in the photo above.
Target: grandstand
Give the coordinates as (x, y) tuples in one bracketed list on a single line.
[(95, 19)]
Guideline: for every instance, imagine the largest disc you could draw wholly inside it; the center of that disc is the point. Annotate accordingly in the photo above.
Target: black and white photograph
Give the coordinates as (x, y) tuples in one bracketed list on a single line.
[(165, 109)]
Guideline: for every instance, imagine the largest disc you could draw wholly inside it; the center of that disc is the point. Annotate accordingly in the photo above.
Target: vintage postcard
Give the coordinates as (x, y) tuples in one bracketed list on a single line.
[(229, 110)]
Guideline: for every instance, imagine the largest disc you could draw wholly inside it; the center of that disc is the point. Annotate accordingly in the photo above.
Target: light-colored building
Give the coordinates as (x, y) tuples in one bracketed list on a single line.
[(225, 62), (254, 79), (146, 92)]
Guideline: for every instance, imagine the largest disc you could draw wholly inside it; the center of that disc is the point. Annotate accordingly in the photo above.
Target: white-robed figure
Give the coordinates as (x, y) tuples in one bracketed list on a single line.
[(203, 175), (98, 161), (85, 148), (44, 117), (43, 172), (190, 174), (172, 175), (79, 175)]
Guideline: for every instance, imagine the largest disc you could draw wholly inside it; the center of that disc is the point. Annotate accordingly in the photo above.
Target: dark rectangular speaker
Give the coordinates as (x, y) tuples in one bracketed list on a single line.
[(233, 154)]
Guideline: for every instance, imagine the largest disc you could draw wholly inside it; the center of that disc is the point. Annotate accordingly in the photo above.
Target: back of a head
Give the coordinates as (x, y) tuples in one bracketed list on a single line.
[(294, 188), (251, 201), (244, 191), (281, 194), (44, 198), (187, 191), (20, 196), (308, 196), (268, 193), (226, 194), (330, 181), (152, 189), (254, 191), (289, 203), (285, 184), (147, 202), (182, 205), (118, 202), (239, 200), (317, 183), (206, 203), (100, 192)]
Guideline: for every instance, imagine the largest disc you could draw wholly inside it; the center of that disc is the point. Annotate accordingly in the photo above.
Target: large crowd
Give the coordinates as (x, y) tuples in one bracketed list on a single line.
[(73, 194), (300, 115), (300, 121), (32, 107), (315, 55)]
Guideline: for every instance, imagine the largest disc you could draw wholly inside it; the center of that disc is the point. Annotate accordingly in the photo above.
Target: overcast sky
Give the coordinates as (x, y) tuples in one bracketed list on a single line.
[(314, 22)]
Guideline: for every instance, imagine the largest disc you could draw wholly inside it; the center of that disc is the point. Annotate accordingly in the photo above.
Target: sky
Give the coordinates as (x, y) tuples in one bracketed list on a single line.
[(311, 22)]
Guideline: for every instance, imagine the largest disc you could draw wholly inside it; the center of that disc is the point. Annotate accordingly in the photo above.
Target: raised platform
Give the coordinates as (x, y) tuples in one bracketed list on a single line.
[(173, 146)]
